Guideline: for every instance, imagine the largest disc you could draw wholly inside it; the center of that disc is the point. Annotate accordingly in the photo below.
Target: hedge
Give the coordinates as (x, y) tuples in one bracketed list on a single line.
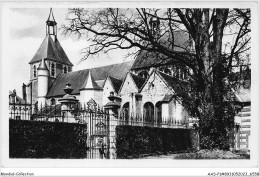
[(35, 139), (136, 141)]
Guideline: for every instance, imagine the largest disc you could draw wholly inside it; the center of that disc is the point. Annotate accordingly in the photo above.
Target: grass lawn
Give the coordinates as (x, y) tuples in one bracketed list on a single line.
[(201, 154), (211, 154)]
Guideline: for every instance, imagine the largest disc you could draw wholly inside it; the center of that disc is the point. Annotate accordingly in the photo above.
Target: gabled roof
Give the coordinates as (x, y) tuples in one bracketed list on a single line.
[(172, 82), (78, 78), (139, 81), (52, 51), (116, 83)]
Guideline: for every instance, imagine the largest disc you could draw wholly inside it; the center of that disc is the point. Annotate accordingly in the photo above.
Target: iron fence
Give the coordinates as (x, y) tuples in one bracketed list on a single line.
[(82, 113), (101, 125), (20, 111), (164, 122)]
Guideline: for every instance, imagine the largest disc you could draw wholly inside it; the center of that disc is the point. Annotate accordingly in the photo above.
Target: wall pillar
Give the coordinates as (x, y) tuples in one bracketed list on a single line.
[(66, 105), (112, 109)]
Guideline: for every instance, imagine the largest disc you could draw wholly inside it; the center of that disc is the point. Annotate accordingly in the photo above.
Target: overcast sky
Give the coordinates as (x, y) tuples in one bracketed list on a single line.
[(26, 33)]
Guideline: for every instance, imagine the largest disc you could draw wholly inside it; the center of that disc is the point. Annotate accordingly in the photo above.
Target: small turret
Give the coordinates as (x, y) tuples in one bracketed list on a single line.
[(51, 25), (91, 90), (43, 76)]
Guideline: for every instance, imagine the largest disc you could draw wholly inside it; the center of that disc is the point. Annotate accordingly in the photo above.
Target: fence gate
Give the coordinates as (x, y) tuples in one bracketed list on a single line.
[(97, 121)]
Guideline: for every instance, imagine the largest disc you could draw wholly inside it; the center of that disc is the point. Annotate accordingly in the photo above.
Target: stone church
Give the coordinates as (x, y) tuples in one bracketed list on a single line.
[(143, 87)]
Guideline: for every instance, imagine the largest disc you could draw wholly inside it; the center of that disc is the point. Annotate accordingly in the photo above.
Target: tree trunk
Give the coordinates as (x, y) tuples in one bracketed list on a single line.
[(214, 132)]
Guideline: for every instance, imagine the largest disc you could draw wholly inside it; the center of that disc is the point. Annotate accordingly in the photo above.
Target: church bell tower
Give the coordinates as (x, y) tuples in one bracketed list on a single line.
[(49, 61), (51, 26)]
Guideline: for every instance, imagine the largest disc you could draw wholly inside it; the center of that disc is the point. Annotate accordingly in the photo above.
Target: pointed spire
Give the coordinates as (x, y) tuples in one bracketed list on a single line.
[(90, 83), (51, 25), (43, 65), (51, 17)]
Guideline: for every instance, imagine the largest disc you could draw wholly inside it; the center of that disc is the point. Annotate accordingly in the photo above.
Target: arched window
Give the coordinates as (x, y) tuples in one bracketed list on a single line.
[(65, 69), (158, 106), (52, 69), (148, 112), (125, 111), (143, 74), (34, 71), (53, 101)]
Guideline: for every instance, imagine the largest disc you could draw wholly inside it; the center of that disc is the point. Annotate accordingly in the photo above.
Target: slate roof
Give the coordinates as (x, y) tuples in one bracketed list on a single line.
[(171, 81), (78, 78), (148, 59), (167, 98), (51, 50), (116, 83), (62, 54), (139, 81)]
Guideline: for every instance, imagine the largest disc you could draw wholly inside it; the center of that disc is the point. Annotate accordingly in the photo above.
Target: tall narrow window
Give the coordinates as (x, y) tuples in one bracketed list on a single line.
[(65, 69), (125, 111), (148, 112), (52, 69), (158, 106), (53, 102), (34, 71)]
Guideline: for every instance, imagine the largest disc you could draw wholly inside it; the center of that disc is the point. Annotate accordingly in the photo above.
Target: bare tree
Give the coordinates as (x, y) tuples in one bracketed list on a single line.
[(219, 41)]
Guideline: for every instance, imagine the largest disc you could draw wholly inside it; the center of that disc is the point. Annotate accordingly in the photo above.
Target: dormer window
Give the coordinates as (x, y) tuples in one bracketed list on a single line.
[(52, 69), (34, 71)]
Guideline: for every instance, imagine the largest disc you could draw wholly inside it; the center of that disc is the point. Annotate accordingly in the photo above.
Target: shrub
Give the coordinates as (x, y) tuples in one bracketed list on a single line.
[(35, 139), (135, 141)]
